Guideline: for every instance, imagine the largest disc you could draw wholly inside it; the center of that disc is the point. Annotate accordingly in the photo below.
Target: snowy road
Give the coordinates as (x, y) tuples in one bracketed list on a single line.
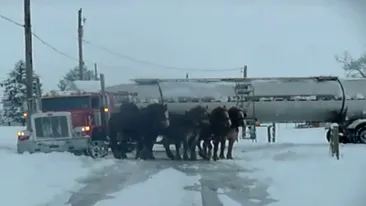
[(295, 171)]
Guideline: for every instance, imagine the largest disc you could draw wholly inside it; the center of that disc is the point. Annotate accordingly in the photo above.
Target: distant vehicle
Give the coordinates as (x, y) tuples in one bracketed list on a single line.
[(70, 121)]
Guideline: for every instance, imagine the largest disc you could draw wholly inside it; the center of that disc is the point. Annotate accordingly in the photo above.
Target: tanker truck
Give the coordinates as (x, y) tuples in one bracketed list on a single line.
[(275, 99)]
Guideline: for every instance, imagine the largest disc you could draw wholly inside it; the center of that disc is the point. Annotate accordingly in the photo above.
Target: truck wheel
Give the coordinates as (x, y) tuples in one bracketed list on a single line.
[(361, 135), (98, 149)]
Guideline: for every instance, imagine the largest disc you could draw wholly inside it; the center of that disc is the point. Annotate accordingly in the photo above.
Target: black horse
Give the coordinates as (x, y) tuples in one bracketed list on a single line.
[(205, 137), (218, 128), (137, 125), (237, 117), (218, 132), (183, 129)]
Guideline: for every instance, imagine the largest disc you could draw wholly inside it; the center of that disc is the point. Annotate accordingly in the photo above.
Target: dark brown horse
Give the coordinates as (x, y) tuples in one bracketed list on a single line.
[(183, 129)]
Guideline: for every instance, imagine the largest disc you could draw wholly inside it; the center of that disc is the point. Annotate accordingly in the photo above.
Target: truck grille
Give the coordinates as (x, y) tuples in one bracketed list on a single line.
[(51, 127)]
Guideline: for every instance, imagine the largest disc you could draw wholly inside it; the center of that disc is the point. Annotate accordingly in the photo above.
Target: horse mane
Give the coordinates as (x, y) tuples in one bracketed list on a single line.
[(129, 106), (234, 109), (197, 108), (233, 114), (218, 110)]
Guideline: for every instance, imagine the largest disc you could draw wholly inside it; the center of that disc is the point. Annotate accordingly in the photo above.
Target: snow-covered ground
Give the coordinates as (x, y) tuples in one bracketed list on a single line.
[(39, 179), (297, 170)]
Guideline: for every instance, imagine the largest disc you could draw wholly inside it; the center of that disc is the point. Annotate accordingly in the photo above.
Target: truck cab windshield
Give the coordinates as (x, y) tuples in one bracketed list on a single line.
[(66, 103)]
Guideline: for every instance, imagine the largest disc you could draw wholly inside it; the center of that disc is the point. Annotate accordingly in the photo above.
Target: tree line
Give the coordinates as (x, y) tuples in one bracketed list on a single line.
[(14, 90)]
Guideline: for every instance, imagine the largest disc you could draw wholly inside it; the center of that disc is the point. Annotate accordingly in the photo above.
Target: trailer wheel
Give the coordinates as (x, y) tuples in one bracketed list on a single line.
[(361, 134)]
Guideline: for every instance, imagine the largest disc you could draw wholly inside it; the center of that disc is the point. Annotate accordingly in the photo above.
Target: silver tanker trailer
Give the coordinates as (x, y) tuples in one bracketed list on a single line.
[(280, 99)]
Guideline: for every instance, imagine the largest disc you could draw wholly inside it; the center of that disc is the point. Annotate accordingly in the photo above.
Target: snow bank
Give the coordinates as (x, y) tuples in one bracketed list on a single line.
[(39, 178), (8, 138)]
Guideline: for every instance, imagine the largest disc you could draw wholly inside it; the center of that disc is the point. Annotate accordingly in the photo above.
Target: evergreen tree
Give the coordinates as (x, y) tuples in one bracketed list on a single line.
[(15, 92), (74, 75)]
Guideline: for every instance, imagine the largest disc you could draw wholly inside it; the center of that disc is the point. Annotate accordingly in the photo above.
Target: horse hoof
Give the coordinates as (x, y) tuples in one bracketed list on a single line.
[(222, 156), (193, 157), (185, 158), (229, 157), (202, 154)]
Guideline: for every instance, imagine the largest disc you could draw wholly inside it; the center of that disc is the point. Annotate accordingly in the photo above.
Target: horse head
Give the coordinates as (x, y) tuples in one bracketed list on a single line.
[(220, 116), (158, 114), (237, 116), (198, 114)]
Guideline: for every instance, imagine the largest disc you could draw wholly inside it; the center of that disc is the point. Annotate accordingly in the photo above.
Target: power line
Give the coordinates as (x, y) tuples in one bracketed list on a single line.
[(10, 20), (117, 54), (40, 39), (123, 56), (53, 48)]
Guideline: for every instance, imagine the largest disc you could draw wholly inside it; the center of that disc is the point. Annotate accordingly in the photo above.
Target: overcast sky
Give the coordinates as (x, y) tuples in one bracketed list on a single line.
[(285, 38)]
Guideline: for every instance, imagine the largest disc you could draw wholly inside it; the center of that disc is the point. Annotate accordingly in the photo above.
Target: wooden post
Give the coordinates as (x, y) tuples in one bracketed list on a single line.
[(269, 133), (334, 141), (274, 132)]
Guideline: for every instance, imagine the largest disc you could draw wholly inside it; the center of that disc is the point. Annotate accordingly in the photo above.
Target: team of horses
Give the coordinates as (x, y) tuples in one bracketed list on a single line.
[(198, 128)]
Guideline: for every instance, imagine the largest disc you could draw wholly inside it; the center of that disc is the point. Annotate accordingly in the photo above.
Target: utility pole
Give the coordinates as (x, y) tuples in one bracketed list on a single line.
[(80, 42), (96, 71), (28, 61), (245, 71)]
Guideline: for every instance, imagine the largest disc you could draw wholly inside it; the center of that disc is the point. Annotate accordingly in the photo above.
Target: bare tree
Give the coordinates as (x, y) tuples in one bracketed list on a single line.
[(353, 67)]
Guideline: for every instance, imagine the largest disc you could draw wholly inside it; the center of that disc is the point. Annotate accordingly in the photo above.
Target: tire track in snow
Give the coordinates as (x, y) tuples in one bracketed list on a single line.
[(217, 178), (7, 149), (220, 178), (112, 179)]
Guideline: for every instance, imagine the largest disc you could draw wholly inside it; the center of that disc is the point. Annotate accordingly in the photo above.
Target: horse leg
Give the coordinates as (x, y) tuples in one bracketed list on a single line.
[(177, 144), (202, 151), (216, 148), (208, 150), (229, 154), (168, 151), (222, 147), (139, 147), (193, 143), (145, 152), (185, 145), (150, 149), (115, 150), (118, 149), (232, 138)]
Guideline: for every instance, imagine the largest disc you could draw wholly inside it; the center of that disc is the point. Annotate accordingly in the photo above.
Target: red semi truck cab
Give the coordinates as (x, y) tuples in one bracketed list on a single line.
[(85, 108)]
